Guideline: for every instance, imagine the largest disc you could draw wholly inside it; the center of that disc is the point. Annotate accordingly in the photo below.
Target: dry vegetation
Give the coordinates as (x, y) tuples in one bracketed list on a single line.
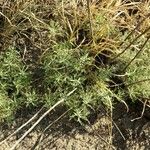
[(80, 53)]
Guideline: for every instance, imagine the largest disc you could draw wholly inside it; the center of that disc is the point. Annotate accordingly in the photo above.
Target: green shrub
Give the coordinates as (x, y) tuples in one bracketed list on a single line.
[(15, 88), (137, 74), (67, 68), (63, 39)]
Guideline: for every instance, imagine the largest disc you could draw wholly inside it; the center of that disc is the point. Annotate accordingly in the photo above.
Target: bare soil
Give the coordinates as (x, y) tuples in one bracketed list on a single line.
[(103, 133)]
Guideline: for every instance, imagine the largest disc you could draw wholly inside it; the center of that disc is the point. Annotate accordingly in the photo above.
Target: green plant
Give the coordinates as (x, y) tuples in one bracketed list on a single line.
[(138, 79), (134, 69), (67, 68), (15, 85), (64, 39)]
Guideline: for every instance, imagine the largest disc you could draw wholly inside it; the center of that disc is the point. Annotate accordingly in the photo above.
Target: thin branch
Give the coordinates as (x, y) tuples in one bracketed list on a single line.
[(90, 18), (141, 113), (136, 82), (39, 120), (42, 134), (136, 54), (119, 131), (148, 100), (130, 44), (7, 19), (36, 123), (135, 28), (25, 124)]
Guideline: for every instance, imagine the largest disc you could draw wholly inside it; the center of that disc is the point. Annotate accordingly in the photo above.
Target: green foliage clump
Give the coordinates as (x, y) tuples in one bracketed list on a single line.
[(65, 69), (137, 74), (68, 68), (64, 40), (15, 89)]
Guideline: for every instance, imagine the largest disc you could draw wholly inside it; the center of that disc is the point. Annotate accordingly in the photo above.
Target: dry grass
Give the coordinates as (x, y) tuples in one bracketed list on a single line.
[(65, 45)]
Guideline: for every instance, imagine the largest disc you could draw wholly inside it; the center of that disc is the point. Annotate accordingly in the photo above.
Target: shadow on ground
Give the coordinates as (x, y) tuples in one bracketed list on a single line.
[(69, 135)]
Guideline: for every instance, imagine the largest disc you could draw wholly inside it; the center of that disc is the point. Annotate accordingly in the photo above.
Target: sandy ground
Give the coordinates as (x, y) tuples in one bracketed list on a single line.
[(101, 134)]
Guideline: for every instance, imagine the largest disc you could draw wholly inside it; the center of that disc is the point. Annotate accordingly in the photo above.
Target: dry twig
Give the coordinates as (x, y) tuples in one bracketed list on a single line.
[(25, 124), (141, 113), (39, 120)]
